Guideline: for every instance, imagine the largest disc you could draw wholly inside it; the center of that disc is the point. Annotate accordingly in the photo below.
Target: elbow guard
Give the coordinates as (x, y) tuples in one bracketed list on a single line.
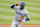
[(27, 19), (12, 5)]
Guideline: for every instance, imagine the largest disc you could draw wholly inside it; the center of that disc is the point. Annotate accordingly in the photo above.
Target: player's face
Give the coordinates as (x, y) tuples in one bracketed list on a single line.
[(21, 6)]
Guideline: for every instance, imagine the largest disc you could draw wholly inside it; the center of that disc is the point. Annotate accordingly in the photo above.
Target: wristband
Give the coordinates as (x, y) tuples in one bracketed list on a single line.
[(27, 19), (12, 5)]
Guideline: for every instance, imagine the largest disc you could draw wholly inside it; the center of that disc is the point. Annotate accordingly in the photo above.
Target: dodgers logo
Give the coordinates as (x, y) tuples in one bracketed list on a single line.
[(20, 13)]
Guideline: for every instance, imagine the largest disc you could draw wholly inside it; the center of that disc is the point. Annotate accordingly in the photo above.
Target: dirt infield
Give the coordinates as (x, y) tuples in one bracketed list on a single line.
[(9, 25)]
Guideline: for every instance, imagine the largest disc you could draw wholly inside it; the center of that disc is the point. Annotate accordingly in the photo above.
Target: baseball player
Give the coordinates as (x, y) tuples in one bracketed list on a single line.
[(20, 12)]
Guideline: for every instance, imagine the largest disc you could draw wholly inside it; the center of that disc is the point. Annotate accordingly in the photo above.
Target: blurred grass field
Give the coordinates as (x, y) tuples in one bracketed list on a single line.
[(7, 14)]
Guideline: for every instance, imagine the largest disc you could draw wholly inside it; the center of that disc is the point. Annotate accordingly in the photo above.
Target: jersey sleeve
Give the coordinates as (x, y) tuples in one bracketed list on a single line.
[(15, 7), (27, 14)]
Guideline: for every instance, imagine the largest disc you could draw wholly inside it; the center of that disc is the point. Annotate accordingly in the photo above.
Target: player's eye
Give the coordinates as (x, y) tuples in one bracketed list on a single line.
[(21, 5)]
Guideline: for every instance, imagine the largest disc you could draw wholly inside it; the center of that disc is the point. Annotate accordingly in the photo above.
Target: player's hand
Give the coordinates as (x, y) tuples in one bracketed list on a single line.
[(23, 21), (16, 4)]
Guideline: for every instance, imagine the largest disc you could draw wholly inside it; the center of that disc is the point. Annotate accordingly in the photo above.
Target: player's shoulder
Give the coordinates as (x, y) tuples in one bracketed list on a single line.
[(26, 11), (16, 6)]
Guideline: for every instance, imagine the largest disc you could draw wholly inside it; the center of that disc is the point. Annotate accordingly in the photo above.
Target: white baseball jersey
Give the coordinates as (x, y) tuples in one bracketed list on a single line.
[(20, 14)]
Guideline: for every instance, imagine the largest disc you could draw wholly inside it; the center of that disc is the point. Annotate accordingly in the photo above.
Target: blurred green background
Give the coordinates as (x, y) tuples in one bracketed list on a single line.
[(7, 14)]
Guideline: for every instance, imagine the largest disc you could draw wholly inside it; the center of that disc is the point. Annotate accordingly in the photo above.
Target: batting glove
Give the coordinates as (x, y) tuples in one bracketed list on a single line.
[(23, 21), (16, 4)]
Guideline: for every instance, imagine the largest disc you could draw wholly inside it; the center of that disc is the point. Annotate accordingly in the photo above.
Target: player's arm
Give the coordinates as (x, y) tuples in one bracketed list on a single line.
[(14, 6), (27, 17)]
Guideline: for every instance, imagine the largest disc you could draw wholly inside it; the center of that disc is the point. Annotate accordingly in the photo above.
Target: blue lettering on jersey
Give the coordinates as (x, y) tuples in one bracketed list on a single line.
[(20, 13)]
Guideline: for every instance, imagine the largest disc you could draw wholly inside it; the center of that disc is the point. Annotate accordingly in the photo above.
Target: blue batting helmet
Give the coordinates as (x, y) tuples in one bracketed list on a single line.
[(22, 3)]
